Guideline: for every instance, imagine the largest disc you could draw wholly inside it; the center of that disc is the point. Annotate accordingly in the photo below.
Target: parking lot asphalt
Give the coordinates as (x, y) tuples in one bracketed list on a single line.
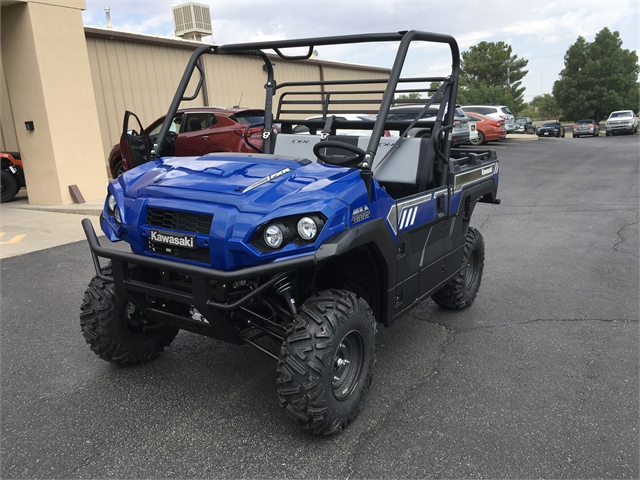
[(539, 378)]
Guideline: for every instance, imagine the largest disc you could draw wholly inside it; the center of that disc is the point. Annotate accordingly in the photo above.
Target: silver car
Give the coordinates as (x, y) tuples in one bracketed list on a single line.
[(586, 127)]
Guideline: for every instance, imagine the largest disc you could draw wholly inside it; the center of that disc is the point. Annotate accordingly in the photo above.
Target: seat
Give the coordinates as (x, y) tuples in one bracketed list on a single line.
[(194, 125)]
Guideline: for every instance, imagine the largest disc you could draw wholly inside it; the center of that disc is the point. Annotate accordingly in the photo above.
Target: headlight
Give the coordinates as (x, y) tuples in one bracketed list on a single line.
[(273, 236), (116, 215), (307, 228), (111, 204), (113, 209)]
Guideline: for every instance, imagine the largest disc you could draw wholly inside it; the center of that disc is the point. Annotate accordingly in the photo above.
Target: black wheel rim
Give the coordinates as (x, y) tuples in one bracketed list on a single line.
[(470, 274), (347, 365)]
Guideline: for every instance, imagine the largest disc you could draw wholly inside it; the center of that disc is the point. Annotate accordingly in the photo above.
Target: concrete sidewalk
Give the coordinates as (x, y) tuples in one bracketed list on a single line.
[(27, 228)]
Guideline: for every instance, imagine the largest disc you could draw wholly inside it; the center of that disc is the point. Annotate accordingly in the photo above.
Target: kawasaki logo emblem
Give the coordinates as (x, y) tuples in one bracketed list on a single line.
[(186, 241)]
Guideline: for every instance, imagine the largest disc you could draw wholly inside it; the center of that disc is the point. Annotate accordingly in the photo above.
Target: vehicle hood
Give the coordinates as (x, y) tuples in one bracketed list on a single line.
[(618, 118), (248, 181)]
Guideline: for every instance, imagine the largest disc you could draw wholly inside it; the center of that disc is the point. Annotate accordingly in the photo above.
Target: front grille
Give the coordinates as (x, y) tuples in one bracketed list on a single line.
[(198, 254), (185, 221)]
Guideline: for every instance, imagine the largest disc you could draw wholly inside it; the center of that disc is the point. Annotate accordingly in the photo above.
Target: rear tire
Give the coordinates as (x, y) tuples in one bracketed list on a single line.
[(480, 140), (461, 291), (114, 328), (326, 361), (10, 186)]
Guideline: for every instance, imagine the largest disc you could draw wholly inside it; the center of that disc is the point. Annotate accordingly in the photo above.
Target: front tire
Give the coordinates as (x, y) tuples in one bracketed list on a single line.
[(10, 186), (115, 330), (326, 361), (462, 289), (118, 169)]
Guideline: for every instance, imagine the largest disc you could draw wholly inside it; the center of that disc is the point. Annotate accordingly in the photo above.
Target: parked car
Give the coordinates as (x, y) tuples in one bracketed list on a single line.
[(489, 129), (496, 112), (524, 125), (586, 127), (551, 129), (460, 133), (621, 121), (194, 131), (12, 175)]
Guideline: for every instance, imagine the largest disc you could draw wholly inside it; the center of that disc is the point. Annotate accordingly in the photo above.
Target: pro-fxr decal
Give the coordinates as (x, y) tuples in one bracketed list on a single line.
[(408, 217), (472, 176), (360, 214)]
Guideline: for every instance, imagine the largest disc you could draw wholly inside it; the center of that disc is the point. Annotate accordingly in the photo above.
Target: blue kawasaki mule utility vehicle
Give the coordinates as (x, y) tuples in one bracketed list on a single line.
[(300, 250)]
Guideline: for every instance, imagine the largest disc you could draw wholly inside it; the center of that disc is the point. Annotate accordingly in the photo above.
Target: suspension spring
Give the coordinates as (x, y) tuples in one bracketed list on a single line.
[(283, 287)]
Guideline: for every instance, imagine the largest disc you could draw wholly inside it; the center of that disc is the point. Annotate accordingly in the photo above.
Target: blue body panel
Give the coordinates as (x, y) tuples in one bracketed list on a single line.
[(222, 185)]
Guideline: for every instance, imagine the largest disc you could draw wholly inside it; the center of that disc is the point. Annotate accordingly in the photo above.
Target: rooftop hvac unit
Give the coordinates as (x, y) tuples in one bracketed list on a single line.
[(192, 20)]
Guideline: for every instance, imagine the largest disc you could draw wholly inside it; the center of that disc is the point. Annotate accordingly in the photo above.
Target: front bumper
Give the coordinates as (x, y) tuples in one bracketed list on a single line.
[(204, 285), (619, 128)]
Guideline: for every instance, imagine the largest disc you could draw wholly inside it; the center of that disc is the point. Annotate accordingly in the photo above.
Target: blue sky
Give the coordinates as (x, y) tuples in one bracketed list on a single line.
[(540, 31)]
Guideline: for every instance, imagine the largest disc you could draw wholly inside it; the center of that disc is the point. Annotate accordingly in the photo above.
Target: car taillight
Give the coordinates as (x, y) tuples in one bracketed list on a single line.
[(254, 135), (575, 127), (591, 125)]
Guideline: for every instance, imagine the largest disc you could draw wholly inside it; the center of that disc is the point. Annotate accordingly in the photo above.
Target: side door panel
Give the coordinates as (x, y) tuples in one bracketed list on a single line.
[(193, 139), (422, 221), (134, 146)]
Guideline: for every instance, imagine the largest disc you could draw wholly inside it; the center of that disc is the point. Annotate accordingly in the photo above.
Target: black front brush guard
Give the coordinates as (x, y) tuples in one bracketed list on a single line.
[(200, 296)]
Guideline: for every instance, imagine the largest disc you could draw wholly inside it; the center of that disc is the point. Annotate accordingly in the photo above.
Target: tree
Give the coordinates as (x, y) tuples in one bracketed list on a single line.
[(543, 107), (490, 73), (409, 96), (598, 78)]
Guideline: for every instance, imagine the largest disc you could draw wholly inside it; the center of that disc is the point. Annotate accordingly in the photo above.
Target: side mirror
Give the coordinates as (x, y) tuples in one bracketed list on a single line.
[(132, 132)]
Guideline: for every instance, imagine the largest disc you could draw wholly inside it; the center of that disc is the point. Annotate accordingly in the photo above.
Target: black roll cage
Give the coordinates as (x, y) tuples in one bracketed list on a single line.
[(386, 93)]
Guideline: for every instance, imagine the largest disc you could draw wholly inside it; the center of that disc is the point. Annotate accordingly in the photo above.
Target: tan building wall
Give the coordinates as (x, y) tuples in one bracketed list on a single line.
[(48, 80)]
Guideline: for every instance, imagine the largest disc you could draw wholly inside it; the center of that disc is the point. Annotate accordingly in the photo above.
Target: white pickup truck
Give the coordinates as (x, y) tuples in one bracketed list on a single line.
[(622, 121)]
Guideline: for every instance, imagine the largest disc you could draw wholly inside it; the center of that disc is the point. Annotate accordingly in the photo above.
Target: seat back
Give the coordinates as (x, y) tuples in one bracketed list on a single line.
[(402, 166), (295, 145)]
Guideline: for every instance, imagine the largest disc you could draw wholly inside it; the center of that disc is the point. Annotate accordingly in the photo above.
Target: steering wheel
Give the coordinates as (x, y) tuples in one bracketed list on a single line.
[(347, 161), (246, 137)]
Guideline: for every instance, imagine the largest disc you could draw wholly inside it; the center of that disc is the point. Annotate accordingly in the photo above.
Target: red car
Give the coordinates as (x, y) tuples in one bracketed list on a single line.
[(489, 129), (195, 131)]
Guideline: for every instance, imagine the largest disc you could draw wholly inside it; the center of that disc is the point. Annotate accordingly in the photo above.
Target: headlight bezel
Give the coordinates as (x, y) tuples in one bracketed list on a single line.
[(113, 209), (290, 234)]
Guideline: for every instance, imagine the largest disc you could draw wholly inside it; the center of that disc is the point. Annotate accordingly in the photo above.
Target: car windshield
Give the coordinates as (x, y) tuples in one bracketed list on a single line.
[(550, 125), (584, 122), (521, 120), (620, 114)]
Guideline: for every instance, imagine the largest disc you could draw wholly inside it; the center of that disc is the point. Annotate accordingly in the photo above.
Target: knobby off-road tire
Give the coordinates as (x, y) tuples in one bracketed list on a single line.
[(9, 186), (114, 328), (461, 291), (326, 361)]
